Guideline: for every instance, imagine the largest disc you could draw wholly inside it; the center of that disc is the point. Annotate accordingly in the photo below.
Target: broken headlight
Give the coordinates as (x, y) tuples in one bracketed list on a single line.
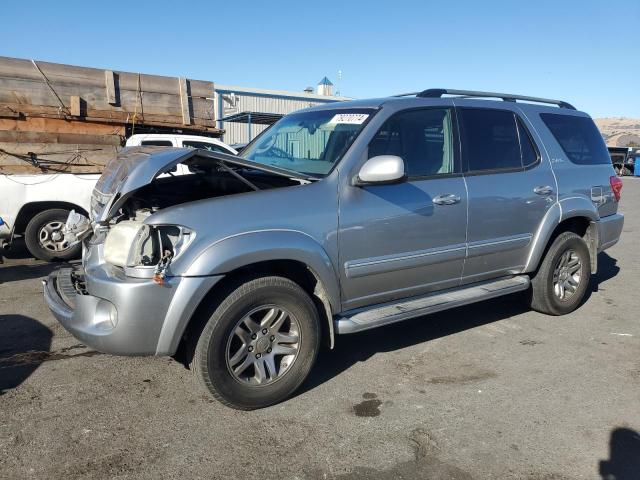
[(135, 244)]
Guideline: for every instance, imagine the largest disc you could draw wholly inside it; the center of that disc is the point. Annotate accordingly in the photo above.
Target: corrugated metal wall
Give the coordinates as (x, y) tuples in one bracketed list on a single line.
[(247, 102)]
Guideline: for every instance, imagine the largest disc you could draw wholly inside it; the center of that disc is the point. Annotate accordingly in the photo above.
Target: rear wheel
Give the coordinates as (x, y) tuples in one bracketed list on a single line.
[(44, 236), (259, 344), (561, 282)]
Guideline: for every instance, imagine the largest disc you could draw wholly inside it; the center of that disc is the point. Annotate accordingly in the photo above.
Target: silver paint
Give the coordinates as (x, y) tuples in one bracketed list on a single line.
[(369, 246)]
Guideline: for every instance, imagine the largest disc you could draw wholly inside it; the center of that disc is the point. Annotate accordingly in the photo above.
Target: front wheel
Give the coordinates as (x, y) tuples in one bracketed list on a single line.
[(561, 282), (259, 344), (44, 236)]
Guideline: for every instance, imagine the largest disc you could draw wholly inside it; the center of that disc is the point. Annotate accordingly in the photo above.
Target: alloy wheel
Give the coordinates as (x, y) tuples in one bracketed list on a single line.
[(567, 275), (263, 345)]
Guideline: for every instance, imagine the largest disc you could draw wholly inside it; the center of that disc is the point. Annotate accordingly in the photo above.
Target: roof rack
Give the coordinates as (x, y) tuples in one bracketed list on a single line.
[(507, 97)]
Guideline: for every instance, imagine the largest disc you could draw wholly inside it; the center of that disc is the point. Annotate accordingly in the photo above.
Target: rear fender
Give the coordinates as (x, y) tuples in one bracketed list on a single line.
[(565, 209)]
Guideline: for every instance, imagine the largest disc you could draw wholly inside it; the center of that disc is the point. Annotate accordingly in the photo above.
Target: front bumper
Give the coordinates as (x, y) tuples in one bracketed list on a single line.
[(609, 230), (125, 320), (123, 316)]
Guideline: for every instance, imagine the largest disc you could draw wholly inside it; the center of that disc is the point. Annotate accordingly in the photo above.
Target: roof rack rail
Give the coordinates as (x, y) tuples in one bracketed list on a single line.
[(507, 97)]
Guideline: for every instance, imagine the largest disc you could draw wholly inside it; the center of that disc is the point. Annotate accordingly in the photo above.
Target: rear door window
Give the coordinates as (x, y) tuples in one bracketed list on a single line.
[(489, 139), (579, 138)]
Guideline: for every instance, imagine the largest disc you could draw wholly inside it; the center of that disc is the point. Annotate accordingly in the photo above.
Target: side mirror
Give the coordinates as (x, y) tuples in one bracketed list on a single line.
[(380, 170)]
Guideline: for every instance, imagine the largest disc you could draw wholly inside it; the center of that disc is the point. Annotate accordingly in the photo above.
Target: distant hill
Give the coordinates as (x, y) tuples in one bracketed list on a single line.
[(620, 131)]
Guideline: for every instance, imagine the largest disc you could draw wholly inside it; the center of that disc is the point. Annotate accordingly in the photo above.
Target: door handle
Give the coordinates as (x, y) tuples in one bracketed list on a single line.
[(543, 190), (446, 199)]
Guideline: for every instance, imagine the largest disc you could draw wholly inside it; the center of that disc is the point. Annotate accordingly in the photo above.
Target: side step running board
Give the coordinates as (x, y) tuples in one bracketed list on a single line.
[(372, 317)]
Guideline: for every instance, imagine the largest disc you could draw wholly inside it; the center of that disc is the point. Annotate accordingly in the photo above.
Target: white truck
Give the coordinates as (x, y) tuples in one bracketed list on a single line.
[(37, 205)]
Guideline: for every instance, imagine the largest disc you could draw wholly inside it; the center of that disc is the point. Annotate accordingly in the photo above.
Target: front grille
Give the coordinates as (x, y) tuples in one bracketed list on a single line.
[(77, 278), (69, 283), (64, 286)]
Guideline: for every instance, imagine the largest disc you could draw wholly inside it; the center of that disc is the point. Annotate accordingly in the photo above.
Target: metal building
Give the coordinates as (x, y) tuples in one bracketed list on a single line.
[(245, 112)]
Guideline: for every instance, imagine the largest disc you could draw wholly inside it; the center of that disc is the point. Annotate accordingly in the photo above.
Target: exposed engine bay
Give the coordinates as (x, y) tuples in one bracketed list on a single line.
[(143, 250), (171, 189)]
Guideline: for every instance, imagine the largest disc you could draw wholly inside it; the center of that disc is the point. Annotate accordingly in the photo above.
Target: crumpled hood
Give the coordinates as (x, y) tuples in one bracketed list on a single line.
[(131, 169), (136, 167)]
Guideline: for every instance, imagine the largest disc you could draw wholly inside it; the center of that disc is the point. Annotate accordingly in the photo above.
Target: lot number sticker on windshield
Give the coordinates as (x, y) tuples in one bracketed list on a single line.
[(350, 118)]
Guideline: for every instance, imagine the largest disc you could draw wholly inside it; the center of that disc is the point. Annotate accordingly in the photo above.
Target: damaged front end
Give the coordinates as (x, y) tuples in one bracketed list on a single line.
[(144, 181), (130, 281)]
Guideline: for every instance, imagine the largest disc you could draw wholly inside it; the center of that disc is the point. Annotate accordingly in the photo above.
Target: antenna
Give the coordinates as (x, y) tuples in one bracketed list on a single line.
[(339, 82)]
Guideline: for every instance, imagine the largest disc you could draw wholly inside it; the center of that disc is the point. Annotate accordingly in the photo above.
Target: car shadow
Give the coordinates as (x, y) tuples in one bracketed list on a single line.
[(359, 347), (607, 269), (24, 344), (624, 456), (14, 273), (18, 250)]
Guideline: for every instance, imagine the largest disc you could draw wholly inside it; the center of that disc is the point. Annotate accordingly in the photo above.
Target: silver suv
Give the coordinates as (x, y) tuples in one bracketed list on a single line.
[(338, 219)]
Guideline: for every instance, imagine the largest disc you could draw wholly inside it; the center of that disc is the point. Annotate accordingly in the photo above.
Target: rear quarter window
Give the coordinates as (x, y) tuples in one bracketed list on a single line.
[(579, 138)]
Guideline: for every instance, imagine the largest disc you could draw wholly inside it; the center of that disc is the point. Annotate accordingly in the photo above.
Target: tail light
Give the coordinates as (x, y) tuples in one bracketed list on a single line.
[(616, 187)]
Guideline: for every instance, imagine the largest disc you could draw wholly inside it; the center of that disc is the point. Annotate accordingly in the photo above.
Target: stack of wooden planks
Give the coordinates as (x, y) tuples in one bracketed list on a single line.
[(64, 118)]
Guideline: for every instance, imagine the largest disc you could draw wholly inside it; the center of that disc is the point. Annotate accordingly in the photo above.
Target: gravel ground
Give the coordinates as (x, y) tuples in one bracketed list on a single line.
[(485, 391)]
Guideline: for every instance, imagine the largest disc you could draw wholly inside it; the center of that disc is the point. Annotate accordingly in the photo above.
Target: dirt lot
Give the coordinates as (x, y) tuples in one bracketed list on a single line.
[(486, 391)]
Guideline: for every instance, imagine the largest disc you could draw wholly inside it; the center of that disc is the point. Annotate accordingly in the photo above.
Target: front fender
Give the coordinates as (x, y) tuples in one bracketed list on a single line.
[(244, 249)]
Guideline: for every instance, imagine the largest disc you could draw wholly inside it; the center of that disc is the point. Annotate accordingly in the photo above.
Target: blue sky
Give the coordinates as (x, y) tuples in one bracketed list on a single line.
[(585, 52)]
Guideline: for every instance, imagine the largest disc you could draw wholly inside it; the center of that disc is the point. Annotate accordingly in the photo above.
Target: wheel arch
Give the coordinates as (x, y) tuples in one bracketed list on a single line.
[(581, 219), (252, 248), (29, 210), (292, 255)]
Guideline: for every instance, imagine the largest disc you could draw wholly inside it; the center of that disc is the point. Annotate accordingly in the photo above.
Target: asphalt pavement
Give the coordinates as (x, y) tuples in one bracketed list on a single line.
[(490, 390)]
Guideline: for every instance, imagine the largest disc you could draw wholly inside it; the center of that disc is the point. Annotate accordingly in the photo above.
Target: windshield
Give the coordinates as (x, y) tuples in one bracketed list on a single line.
[(308, 142)]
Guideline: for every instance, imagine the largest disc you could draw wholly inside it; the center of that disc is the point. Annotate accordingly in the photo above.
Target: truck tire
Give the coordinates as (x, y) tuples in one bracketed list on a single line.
[(561, 282), (44, 236), (259, 344)]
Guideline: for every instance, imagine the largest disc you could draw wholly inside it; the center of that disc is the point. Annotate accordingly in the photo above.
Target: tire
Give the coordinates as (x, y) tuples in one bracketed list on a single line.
[(626, 171), (40, 241), (568, 253), (220, 351)]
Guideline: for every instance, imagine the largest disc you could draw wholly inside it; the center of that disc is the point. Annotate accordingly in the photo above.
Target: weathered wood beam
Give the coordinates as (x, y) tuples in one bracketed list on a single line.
[(60, 74), (75, 158), (74, 106), (110, 85), (57, 125), (59, 138), (115, 118), (184, 101)]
